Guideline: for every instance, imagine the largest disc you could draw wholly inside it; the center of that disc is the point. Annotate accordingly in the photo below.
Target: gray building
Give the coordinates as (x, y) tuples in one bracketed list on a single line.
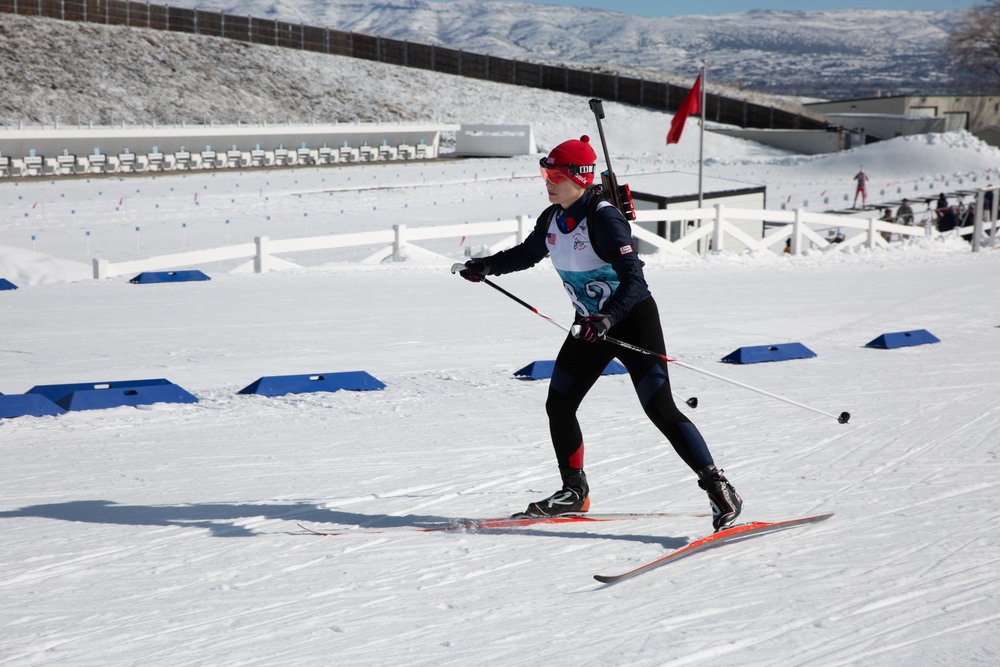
[(892, 116)]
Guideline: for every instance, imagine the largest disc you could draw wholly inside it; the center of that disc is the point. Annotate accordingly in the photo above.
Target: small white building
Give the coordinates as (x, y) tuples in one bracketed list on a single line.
[(494, 140)]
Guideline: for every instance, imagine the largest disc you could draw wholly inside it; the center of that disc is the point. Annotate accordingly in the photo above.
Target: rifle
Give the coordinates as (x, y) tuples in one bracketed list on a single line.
[(619, 195)]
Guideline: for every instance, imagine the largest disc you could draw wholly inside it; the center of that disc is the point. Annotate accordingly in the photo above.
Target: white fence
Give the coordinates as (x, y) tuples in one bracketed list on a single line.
[(261, 253), (800, 229)]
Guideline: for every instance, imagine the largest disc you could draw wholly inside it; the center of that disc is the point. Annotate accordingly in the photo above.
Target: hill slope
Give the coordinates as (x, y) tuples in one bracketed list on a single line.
[(145, 76), (828, 54)]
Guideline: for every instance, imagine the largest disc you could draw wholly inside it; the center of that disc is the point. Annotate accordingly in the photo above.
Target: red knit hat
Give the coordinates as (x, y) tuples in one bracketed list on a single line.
[(575, 159)]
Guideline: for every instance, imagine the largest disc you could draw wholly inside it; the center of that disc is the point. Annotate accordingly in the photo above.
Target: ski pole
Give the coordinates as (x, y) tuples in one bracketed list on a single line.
[(690, 402), (842, 418)]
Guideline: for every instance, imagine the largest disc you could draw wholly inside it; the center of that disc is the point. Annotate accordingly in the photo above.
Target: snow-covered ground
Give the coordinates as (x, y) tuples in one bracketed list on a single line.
[(167, 535)]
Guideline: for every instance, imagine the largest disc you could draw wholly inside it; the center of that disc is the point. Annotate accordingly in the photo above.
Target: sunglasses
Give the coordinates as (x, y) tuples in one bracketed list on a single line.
[(560, 173)]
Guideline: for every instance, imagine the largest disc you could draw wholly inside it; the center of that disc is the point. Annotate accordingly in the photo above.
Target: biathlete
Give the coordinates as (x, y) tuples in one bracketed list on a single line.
[(590, 243)]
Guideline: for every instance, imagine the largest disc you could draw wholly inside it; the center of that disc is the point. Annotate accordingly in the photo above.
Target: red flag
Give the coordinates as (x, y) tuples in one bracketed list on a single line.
[(690, 105)]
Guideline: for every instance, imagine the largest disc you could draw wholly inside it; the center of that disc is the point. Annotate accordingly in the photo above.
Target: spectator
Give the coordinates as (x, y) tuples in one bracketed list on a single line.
[(904, 214), (887, 216), (942, 202), (949, 219)]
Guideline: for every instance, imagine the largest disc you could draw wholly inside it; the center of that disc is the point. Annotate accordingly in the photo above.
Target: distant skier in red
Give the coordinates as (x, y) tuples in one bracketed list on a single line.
[(860, 178)]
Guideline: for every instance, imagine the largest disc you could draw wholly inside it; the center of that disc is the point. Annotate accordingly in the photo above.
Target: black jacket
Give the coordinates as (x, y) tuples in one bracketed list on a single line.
[(609, 232)]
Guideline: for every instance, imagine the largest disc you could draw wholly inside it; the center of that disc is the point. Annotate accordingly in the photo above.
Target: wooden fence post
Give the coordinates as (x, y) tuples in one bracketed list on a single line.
[(718, 244), (797, 232), (262, 260), (522, 225), (977, 225), (398, 241)]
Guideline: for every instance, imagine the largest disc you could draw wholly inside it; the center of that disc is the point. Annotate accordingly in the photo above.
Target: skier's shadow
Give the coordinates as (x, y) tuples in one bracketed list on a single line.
[(228, 519), (221, 519)]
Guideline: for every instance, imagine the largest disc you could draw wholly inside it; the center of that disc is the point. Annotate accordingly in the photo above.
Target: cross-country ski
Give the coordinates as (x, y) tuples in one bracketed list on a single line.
[(731, 534)]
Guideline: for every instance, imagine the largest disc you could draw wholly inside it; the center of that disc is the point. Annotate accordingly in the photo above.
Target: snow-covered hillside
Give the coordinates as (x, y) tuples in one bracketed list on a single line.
[(148, 77), (827, 54), (50, 75)]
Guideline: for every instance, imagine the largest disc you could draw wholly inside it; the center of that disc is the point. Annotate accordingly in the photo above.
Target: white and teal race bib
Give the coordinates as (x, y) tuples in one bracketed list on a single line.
[(588, 279)]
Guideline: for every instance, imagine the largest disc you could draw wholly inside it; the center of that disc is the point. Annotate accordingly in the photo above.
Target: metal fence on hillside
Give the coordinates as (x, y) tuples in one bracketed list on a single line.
[(640, 92)]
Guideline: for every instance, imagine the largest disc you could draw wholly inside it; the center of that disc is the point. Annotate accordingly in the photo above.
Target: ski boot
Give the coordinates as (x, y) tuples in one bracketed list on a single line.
[(572, 498), (726, 503)]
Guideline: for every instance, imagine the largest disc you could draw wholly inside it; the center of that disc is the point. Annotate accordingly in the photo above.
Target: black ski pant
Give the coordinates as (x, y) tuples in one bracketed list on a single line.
[(578, 366)]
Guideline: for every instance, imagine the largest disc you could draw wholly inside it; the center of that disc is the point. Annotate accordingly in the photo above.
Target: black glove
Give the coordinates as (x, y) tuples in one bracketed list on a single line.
[(476, 270), (593, 328)]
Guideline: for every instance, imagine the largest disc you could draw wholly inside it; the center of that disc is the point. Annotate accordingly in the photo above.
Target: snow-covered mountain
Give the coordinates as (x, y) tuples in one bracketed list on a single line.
[(825, 54)]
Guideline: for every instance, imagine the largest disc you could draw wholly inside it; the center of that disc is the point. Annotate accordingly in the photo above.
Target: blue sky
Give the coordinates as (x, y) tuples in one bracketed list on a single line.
[(670, 8)]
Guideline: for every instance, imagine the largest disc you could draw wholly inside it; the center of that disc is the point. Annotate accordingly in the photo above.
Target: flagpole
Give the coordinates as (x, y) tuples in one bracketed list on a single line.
[(701, 139)]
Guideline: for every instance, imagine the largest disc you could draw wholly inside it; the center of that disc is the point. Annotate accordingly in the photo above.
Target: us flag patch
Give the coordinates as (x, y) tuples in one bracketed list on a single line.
[(625, 250), (551, 238)]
